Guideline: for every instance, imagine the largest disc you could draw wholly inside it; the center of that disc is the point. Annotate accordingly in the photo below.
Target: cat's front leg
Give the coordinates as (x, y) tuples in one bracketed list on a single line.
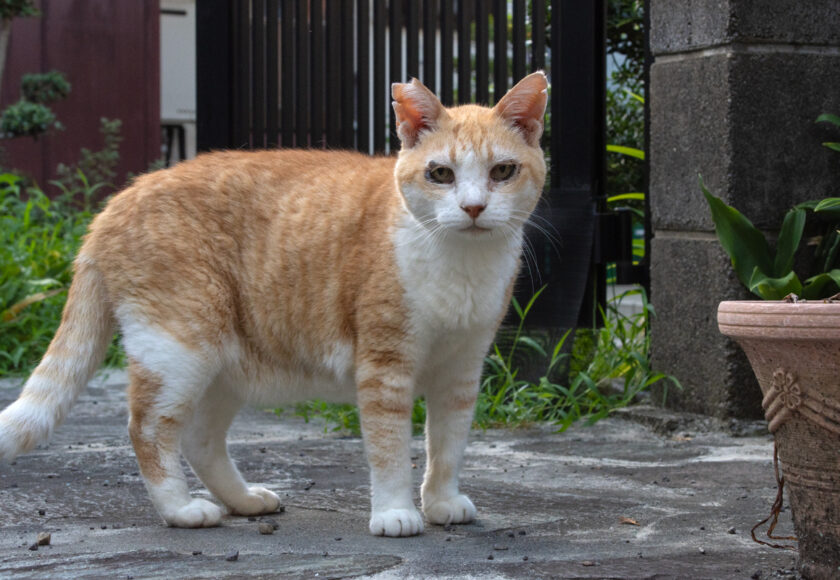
[(449, 413), (385, 397)]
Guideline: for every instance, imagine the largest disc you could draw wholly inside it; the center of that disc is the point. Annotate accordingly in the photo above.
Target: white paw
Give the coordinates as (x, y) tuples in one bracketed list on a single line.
[(396, 523), (457, 509), (199, 513), (257, 501)]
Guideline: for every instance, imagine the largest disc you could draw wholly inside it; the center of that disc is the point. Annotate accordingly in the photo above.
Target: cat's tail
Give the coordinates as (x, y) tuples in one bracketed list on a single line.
[(76, 351)]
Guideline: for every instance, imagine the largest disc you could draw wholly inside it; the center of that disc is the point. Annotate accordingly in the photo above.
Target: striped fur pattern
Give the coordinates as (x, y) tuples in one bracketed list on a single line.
[(274, 276)]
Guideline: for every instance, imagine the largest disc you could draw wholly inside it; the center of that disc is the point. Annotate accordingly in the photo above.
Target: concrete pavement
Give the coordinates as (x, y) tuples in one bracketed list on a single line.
[(645, 494)]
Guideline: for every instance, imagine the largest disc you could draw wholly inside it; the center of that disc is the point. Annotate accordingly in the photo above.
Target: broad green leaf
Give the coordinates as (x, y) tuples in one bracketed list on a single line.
[(828, 203), (774, 288), (789, 238), (629, 151), (746, 246), (832, 145), (621, 197), (822, 285), (829, 118), (827, 212)]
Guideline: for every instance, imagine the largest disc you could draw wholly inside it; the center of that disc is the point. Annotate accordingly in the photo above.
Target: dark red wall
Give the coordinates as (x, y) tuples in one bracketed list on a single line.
[(110, 52)]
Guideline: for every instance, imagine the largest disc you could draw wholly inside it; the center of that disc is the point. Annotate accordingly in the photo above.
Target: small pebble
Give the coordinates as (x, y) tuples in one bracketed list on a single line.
[(232, 556), (490, 557), (511, 535), (702, 550), (266, 528), (271, 522), (42, 512), (196, 553), (44, 538), (730, 530), (524, 558), (500, 548), (338, 539), (522, 532), (34, 547), (448, 539), (104, 527), (587, 563)]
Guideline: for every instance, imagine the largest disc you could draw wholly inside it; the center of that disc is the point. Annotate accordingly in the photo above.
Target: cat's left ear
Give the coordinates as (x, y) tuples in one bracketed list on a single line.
[(417, 109), (524, 106)]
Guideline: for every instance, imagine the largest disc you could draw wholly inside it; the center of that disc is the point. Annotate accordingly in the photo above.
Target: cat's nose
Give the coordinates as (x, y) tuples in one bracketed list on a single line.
[(473, 210)]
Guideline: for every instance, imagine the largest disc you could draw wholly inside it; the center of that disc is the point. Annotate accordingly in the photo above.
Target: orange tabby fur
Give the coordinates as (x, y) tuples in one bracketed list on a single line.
[(279, 275)]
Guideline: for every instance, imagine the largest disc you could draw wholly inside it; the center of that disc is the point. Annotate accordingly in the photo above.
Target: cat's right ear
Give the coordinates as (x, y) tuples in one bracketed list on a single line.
[(417, 109)]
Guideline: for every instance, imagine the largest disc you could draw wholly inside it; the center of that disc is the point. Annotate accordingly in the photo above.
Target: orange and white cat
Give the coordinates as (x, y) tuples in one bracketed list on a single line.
[(277, 276)]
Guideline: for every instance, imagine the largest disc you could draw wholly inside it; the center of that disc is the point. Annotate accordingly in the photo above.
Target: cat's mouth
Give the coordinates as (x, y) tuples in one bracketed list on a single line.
[(474, 229)]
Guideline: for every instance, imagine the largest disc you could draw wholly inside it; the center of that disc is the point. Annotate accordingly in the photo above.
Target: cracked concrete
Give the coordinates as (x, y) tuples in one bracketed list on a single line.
[(550, 505)]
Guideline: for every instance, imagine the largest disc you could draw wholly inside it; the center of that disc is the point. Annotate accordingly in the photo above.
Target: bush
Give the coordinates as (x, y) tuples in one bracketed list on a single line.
[(26, 118), (44, 88)]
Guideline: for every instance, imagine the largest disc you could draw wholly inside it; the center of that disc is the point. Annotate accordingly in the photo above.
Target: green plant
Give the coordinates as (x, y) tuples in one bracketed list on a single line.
[(26, 119), (38, 240), (770, 275), (44, 88), (611, 377), (94, 171)]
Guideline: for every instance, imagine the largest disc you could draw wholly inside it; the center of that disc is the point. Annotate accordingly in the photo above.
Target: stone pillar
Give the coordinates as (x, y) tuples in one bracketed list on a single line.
[(735, 87)]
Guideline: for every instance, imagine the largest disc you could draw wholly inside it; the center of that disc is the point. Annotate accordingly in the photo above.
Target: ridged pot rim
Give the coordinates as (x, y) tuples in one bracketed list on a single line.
[(779, 320)]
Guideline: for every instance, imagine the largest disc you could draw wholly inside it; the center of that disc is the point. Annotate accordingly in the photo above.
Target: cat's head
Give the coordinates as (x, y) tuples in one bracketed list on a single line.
[(471, 171)]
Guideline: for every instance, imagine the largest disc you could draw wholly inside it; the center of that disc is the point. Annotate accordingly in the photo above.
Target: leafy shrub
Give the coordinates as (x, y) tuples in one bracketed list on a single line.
[(770, 275), (25, 118), (44, 88)]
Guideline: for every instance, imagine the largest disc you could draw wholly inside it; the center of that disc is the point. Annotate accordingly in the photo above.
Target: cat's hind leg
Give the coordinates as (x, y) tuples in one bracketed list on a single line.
[(159, 408), (205, 448)]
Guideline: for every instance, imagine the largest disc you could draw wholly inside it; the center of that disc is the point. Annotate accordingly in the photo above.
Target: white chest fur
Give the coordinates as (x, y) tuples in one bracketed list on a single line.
[(454, 283)]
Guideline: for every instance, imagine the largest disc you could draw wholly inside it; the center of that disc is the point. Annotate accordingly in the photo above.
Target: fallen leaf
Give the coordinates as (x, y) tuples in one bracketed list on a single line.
[(628, 521)]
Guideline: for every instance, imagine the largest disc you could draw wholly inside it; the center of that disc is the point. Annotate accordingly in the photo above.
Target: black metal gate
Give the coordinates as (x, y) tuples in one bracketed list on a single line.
[(317, 73)]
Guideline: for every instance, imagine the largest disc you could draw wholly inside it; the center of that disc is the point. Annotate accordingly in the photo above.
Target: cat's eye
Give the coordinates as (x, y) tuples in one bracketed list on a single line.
[(502, 171), (440, 174)]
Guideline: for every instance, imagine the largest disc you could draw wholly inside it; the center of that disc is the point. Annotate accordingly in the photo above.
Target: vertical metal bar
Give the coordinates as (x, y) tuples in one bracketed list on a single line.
[(447, 33), (429, 52), (258, 73), (645, 263), (500, 50), (538, 35), (215, 67), (272, 74), (347, 76), (379, 113), (464, 57), (318, 51), (303, 71), (363, 57), (412, 41), (287, 74), (518, 40), (395, 41), (333, 83), (241, 76), (482, 47)]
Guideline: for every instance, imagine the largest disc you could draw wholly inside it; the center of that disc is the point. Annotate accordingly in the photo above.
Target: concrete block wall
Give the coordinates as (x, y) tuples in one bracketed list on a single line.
[(735, 87)]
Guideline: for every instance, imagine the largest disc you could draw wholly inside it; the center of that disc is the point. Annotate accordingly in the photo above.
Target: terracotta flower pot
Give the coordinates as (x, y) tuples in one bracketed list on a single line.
[(794, 350)]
